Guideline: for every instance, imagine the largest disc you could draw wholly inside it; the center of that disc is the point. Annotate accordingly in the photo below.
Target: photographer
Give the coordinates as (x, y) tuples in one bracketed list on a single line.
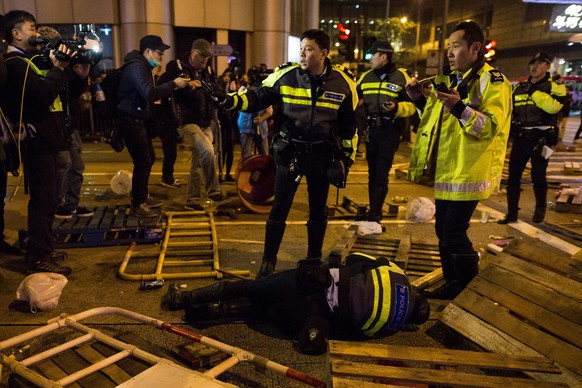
[(42, 119), (70, 165)]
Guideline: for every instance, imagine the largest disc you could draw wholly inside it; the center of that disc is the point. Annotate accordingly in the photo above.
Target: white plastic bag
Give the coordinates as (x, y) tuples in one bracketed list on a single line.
[(41, 290), (421, 209)]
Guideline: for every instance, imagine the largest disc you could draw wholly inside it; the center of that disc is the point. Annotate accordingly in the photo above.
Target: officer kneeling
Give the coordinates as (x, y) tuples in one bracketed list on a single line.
[(367, 297)]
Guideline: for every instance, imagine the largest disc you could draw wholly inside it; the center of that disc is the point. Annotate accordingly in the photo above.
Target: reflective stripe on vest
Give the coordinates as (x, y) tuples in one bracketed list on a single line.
[(381, 316), (57, 105)]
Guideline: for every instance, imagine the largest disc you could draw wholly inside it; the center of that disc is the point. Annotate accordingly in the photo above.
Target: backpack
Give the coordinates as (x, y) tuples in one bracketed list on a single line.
[(107, 109)]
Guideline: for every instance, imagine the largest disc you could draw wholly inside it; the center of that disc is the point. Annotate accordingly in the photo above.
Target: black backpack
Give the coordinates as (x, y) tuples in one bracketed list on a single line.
[(107, 109)]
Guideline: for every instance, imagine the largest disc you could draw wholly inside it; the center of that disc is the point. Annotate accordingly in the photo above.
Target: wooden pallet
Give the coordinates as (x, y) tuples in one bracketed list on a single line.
[(377, 364), (111, 225), (572, 168), (417, 258), (569, 200), (526, 306)]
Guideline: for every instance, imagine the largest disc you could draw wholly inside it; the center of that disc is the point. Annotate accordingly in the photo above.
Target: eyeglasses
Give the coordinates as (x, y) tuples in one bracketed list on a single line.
[(160, 53)]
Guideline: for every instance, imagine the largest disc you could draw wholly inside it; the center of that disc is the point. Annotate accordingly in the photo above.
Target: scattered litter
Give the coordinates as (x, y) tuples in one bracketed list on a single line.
[(253, 262), (367, 227), (151, 285), (495, 237), (183, 285)]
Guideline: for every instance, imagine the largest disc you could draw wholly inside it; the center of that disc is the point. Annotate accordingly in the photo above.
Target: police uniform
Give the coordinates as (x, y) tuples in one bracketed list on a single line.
[(462, 151), (367, 297), (376, 87), (535, 113), (317, 120)]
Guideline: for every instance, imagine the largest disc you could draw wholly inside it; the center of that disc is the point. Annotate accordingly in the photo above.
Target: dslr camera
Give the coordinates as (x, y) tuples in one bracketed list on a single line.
[(85, 42)]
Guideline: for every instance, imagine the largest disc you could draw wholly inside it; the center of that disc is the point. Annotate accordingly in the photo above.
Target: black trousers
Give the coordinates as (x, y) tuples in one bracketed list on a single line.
[(141, 149), (42, 205), (282, 298), (313, 166), (3, 190), (452, 223), (381, 146), (522, 151), (169, 137)]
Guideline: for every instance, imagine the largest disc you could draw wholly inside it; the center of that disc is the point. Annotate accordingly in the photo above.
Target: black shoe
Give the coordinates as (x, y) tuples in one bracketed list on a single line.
[(194, 206), (82, 211), (539, 215), (144, 211), (153, 203), (217, 197), (448, 291), (228, 178), (47, 264), (9, 249), (507, 219), (173, 298), (58, 255), (267, 268), (174, 184), (63, 214)]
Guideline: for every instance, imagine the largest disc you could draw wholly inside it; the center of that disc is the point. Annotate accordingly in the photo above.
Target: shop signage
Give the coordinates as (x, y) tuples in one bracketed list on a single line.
[(567, 18)]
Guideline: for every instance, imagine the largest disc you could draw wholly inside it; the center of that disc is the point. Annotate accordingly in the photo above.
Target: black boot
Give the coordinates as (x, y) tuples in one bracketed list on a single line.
[(451, 286), (315, 237), (466, 267), (273, 237), (177, 300), (377, 195), (513, 194), (540, 210), (218, 312)]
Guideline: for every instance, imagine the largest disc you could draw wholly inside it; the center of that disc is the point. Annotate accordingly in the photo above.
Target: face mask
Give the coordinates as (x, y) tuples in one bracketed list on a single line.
[(154, 62)]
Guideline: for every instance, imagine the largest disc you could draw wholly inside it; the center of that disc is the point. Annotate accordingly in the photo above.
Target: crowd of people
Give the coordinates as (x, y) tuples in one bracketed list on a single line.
[(467, 115)]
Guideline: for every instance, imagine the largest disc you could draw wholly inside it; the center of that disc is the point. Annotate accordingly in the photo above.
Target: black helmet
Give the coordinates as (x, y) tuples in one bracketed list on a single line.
[(254, 76)]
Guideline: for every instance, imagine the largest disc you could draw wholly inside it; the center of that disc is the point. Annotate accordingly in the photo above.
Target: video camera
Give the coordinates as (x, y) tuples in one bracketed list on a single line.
[(256, 75), (86, 43)]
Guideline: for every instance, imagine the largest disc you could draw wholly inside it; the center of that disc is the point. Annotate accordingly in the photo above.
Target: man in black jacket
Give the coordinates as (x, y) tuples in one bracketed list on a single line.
[(196, 111), (42, 122), (135, 95), (367, 297)]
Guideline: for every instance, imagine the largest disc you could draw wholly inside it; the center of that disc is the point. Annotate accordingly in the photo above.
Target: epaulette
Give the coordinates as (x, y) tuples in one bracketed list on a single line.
[(284, 65), (347, 71), (496, 75)]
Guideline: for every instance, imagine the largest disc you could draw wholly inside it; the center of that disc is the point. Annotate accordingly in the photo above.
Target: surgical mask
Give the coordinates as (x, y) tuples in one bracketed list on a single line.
[(154, 62)]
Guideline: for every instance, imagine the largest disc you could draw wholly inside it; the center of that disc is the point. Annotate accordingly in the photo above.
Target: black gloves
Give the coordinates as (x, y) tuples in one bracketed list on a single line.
[(218, 96)]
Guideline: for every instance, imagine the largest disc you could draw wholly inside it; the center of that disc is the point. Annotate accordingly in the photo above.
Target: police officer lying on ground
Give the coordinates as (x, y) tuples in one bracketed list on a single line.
[(367, 297)]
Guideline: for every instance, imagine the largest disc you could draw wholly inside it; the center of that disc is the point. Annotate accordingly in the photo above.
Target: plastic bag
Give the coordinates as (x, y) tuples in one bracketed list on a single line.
[(421, 209), (41, 290)]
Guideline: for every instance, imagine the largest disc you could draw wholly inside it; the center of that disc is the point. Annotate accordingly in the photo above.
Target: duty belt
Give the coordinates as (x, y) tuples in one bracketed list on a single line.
[(306, 148), (380, 121), (533, 132)]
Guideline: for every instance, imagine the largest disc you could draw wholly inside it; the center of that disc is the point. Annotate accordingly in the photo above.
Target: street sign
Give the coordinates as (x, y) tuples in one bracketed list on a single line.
[(220, 50)]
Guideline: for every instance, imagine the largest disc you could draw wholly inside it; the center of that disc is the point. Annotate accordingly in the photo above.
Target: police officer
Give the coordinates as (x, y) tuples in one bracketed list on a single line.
[(317, 132), (536, 105), (367, 297), (460, 146), (382, 93)]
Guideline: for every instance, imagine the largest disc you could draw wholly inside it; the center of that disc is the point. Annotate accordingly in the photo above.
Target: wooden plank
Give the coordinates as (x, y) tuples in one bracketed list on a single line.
[(549, 257), (70, 362), (569, 287), (531, 312), (96, 219), (133, 366), (52, 372), (428, 279), (107, 218), (342, 247), (339, 382), (118, 220), (403, 249), (432, 376), (443, 356), (534, 292), (494, 340), (554, 348), (114, 372)]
